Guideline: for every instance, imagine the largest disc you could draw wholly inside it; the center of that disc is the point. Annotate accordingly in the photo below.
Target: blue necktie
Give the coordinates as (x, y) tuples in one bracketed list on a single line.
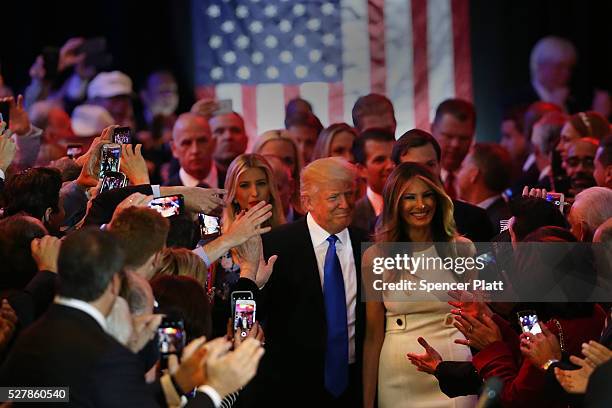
[(336, 355)]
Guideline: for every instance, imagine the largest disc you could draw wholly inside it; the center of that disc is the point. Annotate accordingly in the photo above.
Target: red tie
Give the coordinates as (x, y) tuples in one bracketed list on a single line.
[(449, 185)]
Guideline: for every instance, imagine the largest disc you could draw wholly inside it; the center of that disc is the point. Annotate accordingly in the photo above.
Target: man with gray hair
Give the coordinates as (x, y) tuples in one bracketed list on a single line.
[(551, 62), (314, 318), (592, 207)]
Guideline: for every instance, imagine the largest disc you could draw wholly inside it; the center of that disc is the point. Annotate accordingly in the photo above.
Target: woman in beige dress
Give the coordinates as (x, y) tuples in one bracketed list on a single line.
[(417, 210)]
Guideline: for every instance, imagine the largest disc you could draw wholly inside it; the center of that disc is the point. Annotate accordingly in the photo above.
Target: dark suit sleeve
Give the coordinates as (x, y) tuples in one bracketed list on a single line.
[(119, 376), (103, 206), (200, 400), (457, 378), (42, 290)]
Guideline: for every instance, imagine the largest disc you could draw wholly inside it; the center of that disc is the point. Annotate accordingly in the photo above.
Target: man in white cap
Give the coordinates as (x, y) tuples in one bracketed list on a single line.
[(113, 91), (88, 122)]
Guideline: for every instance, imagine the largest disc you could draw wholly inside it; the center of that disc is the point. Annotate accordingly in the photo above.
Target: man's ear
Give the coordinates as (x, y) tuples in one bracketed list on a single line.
[(362, 171), (116, 284), (608, 176), (47, 215), (306, 202), (173, 148)]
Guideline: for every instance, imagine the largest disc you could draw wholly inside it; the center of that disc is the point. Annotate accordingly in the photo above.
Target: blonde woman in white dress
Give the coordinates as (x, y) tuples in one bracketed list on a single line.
[(417, 210)]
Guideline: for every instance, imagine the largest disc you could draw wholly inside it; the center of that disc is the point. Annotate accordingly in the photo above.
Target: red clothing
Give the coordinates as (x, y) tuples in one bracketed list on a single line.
[(524, 384)]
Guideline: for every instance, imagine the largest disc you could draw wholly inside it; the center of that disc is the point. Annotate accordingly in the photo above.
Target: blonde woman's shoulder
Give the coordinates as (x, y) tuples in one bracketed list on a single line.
[(466, 247)]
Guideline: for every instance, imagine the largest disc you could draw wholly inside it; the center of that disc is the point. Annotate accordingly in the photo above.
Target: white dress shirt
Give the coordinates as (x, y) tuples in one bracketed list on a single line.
[(484, 204), (376, 200), (83, 307), (344, 250), (190, 181)]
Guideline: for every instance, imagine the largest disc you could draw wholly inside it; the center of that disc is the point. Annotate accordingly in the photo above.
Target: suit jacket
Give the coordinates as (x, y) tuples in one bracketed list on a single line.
[(497, 211), (67, 347), (103, 206), (473, 222), (292, 308), (174, 180), (364, 216)]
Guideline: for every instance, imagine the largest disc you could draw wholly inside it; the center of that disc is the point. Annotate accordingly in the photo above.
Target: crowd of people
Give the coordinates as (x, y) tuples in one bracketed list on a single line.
[(94, 282)]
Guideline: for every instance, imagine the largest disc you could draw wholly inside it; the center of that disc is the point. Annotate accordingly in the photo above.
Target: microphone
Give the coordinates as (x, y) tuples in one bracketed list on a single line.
[(490, 395)]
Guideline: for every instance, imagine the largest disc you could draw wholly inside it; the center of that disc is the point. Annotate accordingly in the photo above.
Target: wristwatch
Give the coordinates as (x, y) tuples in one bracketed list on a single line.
[(547, 364)]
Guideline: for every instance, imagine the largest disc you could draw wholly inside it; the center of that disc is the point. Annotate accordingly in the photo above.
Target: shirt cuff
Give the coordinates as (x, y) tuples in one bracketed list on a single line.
[(173, 399), (199, 251), (2, 176), (156, 190), (212, 394)]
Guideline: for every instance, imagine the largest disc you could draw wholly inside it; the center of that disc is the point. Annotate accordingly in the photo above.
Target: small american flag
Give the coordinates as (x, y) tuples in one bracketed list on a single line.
[(262, 53)]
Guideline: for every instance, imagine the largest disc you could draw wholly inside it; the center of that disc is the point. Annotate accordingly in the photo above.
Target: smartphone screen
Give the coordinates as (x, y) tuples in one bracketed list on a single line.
[(74, 150), (528, 320), (171, 338), (558, 199), (210, 226), (113, 180), (239, 295), (4, 111), (111, 157), (122, 135), (244, 316), (224, 107), (169, 205)]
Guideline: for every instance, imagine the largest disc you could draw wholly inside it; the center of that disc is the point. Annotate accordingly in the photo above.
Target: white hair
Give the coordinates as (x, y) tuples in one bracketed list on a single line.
[(551, 48), (322, 171), (594, 206)]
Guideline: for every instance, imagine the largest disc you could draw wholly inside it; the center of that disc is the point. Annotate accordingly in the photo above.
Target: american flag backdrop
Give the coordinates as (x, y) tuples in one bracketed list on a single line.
[(262, 53)]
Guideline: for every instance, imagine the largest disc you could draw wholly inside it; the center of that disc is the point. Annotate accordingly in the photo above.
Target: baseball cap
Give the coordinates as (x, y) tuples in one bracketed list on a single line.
[(89, 120), (109, 84)]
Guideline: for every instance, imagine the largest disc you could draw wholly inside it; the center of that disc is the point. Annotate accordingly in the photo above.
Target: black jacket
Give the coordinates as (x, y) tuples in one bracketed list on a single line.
[(292, 309), (68, 348)]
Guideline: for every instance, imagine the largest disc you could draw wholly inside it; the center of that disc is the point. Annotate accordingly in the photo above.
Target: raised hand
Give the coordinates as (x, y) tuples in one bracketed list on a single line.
[(479, 332), (575, 381), (540, 348), (596, 353), (428, 362), (45, 252), (133, 165)]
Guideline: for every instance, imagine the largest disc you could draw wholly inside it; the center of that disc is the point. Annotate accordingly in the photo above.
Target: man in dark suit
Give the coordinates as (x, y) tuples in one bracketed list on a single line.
[(311, 309), (193, 146), (484, 175), (419, 146), (372, 151), (69, 346)]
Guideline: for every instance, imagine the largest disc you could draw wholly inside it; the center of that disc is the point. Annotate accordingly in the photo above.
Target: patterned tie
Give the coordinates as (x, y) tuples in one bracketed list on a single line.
[(336, 355), (449, 185)]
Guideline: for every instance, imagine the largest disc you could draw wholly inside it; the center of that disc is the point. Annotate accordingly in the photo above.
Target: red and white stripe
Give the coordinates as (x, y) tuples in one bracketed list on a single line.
[(417, 52)]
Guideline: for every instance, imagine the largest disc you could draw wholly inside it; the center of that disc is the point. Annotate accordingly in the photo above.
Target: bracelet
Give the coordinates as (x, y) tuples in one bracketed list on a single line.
[(547, 364)]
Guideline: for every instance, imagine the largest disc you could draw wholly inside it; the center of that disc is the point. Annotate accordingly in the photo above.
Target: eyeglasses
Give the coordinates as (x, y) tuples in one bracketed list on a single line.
[(588, 162)]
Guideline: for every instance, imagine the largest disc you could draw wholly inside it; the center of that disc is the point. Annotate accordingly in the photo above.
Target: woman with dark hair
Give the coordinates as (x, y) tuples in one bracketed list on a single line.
[(186, 298), (417, 210)]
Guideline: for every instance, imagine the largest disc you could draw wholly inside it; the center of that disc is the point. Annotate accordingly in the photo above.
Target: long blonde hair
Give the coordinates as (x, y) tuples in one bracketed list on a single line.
[(282, 134), (391, 227), (238, 166)]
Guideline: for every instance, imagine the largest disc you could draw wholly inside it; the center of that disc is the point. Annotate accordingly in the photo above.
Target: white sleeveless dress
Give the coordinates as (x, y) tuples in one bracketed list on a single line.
[(399, 382)]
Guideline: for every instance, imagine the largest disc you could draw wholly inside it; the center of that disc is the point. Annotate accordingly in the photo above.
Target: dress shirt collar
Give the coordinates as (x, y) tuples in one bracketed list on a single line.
[(190, 181), (529, 162), (376, 200), (83, 307), (558, 96), (318, 235), (488, 202)]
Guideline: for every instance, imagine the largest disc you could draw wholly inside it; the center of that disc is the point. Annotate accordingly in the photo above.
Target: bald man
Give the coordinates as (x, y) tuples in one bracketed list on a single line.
[(193, 146)]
